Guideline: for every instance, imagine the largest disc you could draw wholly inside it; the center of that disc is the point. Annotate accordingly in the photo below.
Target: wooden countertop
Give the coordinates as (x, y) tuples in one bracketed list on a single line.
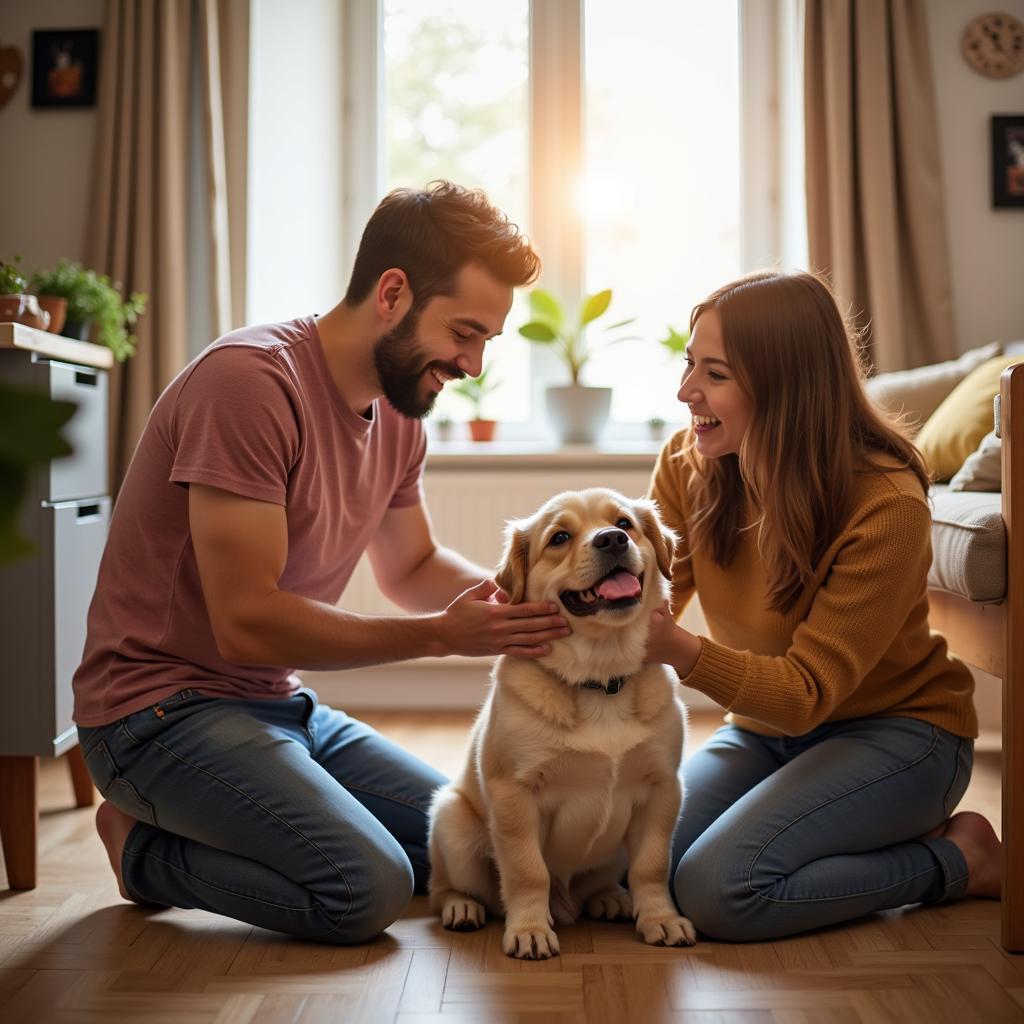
[(55, 346)]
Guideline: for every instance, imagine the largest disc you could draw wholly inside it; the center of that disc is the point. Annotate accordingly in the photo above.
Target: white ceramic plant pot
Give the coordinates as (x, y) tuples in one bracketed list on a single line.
[(578, 414)]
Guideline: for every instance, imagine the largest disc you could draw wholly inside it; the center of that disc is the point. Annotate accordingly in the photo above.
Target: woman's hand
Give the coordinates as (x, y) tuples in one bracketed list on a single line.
[(670, 644)]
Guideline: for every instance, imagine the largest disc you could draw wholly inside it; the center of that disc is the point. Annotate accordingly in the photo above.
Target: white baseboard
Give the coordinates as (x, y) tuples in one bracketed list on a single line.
[(447, 684)]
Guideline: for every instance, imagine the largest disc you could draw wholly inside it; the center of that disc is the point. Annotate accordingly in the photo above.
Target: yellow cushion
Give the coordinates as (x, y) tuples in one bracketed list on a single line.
[(963, 418)]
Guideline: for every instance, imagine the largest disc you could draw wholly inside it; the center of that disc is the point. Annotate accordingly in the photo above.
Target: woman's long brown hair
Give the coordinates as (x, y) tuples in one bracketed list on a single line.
[(813, 428)]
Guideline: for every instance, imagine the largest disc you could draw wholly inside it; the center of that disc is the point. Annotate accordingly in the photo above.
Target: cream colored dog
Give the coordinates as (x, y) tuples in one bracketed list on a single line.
[(572, 777)]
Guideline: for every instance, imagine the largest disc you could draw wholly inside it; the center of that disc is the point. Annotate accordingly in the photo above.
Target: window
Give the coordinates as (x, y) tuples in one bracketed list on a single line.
[(456, 79), (631, 142), (661, 189)]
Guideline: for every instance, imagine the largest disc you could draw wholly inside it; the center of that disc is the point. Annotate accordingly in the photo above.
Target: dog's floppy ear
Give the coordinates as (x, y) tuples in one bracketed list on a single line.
[(662, 539), (511, 574)]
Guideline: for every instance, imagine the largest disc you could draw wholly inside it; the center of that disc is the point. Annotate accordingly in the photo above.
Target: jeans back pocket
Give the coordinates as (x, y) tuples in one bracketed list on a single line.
[(113, 787)]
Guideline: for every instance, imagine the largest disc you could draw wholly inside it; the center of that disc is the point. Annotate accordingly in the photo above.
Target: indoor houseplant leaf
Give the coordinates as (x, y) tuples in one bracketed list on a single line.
[(475, 390), (30, 425), (93, 299), (578, 413)]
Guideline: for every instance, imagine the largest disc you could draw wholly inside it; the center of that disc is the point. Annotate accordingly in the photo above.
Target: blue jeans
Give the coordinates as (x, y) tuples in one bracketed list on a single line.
[(285, 814), (781, 835)]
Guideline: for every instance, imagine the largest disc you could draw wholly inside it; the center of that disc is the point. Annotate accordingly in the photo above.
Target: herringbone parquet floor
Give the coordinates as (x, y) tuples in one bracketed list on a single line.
[(72, 951)]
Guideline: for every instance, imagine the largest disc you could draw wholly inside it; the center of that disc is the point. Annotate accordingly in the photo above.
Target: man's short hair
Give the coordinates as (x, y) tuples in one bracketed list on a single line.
[(432, 234)]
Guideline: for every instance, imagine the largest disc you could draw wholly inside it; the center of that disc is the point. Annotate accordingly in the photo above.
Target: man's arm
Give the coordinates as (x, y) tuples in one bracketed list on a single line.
[(412, 569), (241, 548)]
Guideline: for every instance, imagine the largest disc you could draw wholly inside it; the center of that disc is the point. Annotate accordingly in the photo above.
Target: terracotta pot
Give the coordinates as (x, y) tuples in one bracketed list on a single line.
[(23, 309), (482, 430), (57, 307)]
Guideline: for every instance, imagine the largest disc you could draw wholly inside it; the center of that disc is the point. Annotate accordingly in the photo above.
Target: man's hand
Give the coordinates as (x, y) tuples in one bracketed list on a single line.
[(480, 621)]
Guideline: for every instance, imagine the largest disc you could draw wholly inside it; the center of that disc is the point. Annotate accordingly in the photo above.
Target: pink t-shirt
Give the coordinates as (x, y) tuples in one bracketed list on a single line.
[(257, 414)]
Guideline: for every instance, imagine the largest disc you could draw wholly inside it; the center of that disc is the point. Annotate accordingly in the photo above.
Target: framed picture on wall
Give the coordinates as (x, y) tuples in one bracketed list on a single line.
[(64, 67), (1008, 160)]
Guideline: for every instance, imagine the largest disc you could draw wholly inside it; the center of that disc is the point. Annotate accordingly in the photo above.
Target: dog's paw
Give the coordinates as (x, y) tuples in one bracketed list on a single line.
[(537, 943), (463, 914), (667, 930), (611, 905)]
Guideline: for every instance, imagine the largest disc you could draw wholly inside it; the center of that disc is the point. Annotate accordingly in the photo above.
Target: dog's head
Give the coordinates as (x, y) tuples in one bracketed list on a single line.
[(603, 558)]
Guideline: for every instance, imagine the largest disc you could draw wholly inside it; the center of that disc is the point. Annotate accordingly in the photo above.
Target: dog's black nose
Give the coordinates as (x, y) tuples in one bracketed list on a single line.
[(611, 539)]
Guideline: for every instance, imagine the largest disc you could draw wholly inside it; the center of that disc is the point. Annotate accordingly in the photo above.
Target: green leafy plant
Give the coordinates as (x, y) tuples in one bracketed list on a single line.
[(676, 341), (94, 298), (30, 425), (656, 423), (550, 325), (12, 281), (476, 389)]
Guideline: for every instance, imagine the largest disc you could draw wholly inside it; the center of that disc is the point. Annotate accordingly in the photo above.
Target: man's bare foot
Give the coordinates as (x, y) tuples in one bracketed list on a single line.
[(113, 826), (976, 839)]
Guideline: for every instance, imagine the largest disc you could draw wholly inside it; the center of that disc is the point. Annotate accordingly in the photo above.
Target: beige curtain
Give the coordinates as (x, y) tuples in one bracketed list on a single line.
[(139, 220), (875, 203)]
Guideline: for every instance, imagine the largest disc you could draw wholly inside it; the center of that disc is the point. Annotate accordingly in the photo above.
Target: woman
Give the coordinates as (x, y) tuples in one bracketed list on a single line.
[(805, 532)]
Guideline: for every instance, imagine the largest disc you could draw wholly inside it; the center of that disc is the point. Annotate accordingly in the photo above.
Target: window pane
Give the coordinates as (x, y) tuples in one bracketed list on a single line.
[(456, 107), (661, 194)]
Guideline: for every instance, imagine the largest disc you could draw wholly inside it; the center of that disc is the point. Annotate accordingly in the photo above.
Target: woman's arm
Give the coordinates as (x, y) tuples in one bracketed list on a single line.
[(668, 490), (873, 590)]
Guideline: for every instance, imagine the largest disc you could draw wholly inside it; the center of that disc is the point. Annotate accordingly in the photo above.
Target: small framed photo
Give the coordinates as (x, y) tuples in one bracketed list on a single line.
[(1008, 160), (64, 67)]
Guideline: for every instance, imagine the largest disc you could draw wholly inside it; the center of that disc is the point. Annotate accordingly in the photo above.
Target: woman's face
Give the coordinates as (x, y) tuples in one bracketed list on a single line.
[(721, 409)]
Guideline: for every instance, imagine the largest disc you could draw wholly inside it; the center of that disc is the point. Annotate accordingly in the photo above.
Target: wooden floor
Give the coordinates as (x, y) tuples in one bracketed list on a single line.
[(72, 951)]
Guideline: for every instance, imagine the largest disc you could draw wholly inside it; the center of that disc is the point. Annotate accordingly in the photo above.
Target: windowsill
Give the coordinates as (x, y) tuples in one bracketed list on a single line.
[(508, 453)]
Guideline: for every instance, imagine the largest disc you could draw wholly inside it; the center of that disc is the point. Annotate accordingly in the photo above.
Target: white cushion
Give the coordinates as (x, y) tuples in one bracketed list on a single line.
[(982, 469), (968, 544), (917, 393)]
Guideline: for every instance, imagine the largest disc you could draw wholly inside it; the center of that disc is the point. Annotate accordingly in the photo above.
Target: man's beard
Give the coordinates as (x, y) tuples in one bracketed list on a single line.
[(400, 365)]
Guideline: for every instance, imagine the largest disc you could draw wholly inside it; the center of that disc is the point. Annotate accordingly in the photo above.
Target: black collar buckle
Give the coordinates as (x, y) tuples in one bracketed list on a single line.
[(613, 685)]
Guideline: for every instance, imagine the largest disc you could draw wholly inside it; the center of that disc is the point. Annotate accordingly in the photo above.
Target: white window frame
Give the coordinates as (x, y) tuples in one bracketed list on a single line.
[(772, 189)]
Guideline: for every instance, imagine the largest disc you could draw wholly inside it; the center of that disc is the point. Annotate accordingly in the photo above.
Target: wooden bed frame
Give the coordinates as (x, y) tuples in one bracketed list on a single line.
[(991, 638)]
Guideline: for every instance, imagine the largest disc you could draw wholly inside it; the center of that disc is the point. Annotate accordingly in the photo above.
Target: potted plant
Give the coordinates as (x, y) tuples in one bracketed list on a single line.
[(674, 344), (93, 301), (577, 412), (475, 390), (443, 426), (16, 306), (35, 420), (656, 428)]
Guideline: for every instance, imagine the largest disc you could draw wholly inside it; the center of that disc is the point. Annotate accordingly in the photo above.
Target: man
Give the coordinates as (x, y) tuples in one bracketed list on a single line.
[(266, 468)]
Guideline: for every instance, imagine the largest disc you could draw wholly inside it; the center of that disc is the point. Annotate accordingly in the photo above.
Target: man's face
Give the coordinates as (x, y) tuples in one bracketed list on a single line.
[(443, 340)]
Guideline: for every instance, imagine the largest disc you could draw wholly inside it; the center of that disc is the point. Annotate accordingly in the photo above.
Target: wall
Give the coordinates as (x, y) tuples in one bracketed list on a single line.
[(47, 154), (43, 195), (985, 243), (295, 156)]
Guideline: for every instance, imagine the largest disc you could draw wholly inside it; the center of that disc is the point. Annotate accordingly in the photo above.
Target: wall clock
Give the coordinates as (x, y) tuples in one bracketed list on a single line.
[(993, 45)]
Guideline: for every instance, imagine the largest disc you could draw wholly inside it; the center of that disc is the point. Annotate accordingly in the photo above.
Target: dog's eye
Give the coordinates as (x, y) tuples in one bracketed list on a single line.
[(558, 539), (624, 524)]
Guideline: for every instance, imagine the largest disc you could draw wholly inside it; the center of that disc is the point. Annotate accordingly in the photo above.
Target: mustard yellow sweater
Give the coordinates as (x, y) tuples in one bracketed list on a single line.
[(857, 641)]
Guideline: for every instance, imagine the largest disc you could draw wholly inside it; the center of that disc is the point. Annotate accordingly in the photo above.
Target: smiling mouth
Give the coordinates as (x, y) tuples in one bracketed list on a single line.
[(617, 591), (440, 376), (702, 424)]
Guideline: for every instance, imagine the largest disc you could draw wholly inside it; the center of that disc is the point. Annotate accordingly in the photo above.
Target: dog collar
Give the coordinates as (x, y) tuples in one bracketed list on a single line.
[(613, 685)]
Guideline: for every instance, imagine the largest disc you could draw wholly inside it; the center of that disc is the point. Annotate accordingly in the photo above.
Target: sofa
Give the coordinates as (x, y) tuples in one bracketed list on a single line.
[(976, 581)]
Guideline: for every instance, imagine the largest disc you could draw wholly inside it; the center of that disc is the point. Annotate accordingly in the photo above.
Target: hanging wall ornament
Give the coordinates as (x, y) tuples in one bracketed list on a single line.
[(10, 73)]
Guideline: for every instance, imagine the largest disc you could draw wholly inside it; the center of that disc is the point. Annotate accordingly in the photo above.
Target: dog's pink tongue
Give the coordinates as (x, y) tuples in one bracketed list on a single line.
[(620, 584)]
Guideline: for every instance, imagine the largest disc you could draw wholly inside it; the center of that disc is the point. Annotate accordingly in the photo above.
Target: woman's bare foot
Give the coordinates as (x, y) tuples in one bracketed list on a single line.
[(972, 834), (113, 826)]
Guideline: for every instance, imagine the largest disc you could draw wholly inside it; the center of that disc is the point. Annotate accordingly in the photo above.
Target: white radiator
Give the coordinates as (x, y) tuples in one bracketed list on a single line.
[(469, 505), (469, 509)]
